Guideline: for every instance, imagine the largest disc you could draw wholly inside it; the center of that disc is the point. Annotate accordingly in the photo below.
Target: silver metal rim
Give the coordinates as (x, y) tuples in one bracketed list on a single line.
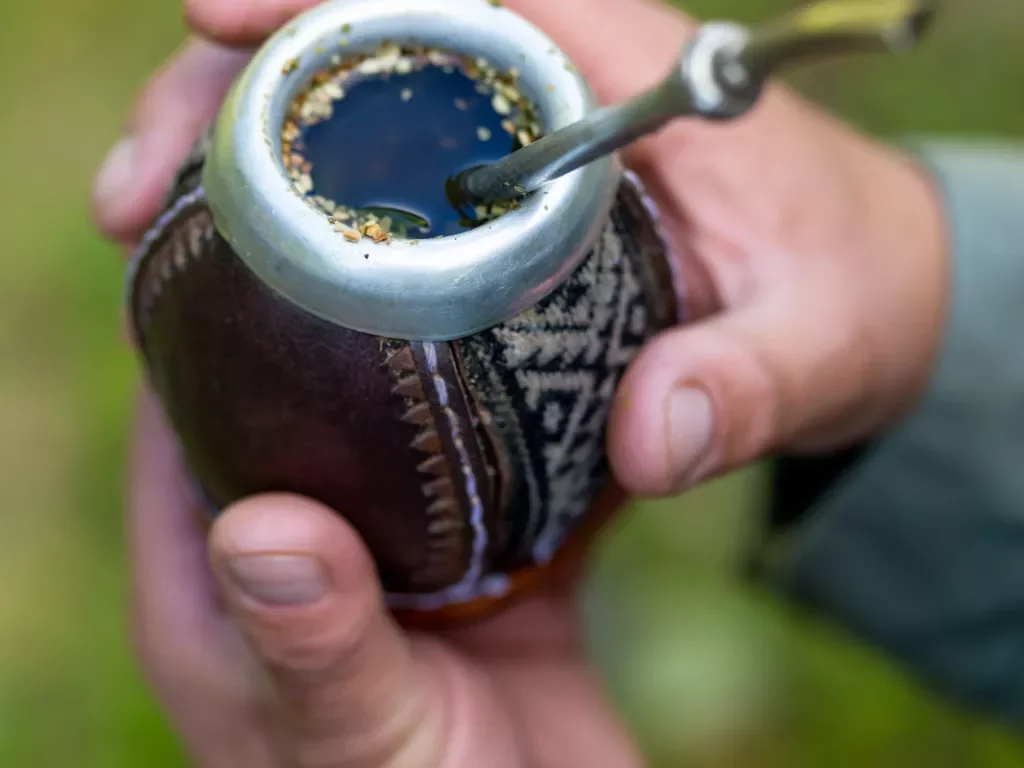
[(435, 289), (709, 97)]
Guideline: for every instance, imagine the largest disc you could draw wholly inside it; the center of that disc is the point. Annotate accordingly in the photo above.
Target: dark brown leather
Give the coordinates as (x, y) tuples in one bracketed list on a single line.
[(265, 397), (448, 459)]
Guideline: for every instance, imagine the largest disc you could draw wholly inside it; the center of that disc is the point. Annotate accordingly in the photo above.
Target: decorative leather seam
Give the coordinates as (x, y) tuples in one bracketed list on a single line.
[(475, 583), (442, 507), (183, 245), (152, 268), (672, 256)]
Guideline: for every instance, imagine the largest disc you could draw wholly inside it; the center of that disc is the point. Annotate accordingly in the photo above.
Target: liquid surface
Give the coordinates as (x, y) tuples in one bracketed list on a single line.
[(387, 147)]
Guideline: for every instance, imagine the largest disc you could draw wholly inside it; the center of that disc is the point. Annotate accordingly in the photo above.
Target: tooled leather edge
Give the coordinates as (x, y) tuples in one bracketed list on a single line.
[(451, 437), (164, 253), (185, 190), (473, 485), (447, 546), (177, 238)]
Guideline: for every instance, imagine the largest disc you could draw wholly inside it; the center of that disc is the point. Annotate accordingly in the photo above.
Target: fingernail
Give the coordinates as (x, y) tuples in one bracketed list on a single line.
[(279, 580), (114, 180), (690, 430)]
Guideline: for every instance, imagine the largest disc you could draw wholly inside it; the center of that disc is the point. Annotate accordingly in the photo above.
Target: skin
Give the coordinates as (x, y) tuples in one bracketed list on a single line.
[(822, 256)]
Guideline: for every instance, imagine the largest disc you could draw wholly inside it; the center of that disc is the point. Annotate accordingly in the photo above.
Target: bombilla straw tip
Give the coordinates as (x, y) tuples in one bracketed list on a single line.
[(720, 76), (828, 28), (904, 32), (918, 22)]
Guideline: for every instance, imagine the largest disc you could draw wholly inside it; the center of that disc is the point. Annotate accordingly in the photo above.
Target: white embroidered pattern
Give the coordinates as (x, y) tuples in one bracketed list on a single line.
[(566, 356)]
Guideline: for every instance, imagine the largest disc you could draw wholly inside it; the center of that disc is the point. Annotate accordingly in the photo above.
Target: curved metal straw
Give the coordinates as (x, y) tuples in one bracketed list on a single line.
[(720, 76)]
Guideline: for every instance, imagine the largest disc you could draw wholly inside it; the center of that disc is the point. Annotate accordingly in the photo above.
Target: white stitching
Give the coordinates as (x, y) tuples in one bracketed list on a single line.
[(154, 233), (473, 584)]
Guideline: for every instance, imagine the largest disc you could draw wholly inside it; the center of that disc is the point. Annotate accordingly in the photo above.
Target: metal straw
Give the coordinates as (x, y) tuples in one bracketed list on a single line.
[(720, 76)]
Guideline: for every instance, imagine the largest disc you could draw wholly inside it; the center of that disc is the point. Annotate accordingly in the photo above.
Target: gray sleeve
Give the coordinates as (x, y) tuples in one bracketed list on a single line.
[(919, 549)]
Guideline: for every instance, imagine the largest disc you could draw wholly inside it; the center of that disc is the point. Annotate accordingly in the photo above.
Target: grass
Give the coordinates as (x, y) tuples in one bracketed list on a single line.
[(708, 672)]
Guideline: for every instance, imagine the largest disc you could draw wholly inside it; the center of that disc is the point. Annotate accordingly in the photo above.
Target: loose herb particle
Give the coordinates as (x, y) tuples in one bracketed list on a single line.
[(317, 104)]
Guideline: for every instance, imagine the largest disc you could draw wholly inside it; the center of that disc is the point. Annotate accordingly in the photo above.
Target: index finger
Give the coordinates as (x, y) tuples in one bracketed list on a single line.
[(175, 106), (644, 36)]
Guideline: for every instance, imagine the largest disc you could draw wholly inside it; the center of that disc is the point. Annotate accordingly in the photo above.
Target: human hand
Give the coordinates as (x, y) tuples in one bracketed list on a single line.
[(269, 646)]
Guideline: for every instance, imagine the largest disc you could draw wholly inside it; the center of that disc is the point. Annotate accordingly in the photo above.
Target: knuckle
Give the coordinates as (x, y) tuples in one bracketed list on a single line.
[(750, 390), (756, 414), (154, 91), (842, 370), (318, 646)]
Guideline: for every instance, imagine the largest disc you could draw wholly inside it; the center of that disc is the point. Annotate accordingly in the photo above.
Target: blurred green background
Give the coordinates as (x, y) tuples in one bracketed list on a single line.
[(709, 672)]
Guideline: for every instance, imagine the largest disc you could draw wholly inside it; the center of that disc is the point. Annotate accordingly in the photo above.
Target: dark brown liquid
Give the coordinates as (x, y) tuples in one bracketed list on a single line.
[(395, 140)]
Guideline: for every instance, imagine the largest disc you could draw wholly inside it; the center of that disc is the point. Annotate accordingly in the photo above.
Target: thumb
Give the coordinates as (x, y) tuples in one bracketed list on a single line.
[(304, 592), (703, 399)]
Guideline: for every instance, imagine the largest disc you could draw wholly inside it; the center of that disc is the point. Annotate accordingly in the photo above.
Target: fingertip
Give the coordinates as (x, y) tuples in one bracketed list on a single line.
[(268, 522), (285, 524), (173, 109), (703, 399), (298, 580), (110, 190), (240, 24), (303, 590)]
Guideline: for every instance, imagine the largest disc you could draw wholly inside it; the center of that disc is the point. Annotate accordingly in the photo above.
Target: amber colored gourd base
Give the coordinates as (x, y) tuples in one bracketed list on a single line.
[(561, 574)]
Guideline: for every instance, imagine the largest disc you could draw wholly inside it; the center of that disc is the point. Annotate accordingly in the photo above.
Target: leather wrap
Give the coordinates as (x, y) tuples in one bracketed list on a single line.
[(459, 463)]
